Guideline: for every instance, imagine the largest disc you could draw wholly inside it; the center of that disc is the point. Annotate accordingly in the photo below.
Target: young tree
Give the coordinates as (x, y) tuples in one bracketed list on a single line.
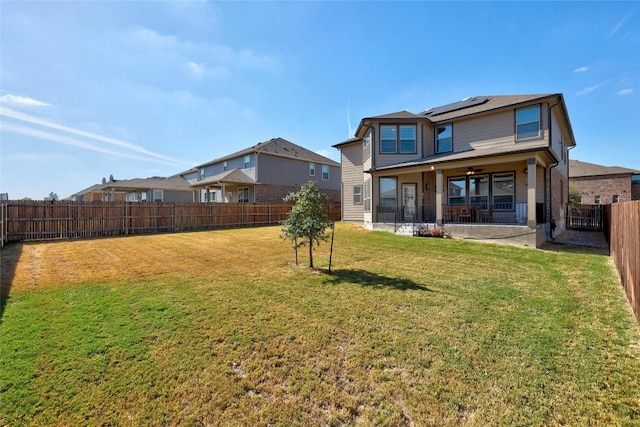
[(307, 221)]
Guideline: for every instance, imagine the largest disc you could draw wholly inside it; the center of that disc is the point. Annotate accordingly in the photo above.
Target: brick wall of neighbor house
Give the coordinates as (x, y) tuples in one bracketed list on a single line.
[(604, 186), (559, 199), (275, 193)]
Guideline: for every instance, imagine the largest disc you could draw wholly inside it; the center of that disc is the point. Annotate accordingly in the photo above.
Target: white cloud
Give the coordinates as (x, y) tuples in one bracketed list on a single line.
[(589, 89), (198, 70), (21, 100), (153, 39), (144, 153), (622, 21), (581, 69), (627, 91)]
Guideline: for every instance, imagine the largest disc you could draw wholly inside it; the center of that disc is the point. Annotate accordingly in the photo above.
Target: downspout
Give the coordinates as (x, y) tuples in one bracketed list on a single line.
[(552, 224)]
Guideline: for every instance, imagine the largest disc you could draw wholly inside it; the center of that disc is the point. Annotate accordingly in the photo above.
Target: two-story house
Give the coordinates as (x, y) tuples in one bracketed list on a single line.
[(265, 172), (487, 167)]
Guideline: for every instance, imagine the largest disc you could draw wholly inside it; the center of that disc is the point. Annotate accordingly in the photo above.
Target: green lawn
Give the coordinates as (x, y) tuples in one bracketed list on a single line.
[(222, 328)]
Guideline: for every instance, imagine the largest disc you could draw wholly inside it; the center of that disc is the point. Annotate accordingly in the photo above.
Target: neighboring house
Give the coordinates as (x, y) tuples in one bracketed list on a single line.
[(265, 172), (488, 167), (90, 194), (154, 189), (604, 184)]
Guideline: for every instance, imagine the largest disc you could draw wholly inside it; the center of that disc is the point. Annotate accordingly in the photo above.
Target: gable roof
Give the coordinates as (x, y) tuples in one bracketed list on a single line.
[(347, 142), (473, 106), (404, 114), (479, 105), (173, 183), (277, 147), (95, 188), (233, 176), (584, 169)]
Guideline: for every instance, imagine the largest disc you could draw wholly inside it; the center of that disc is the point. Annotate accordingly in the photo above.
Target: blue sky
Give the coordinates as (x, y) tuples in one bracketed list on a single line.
[(145, 88)]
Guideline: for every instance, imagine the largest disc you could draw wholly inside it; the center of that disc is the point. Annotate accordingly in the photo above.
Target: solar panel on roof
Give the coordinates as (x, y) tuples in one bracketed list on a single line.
[(460, 105)]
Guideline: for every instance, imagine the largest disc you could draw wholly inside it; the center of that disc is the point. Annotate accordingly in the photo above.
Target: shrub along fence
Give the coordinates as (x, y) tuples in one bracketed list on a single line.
[(43, 220), (622, 229)]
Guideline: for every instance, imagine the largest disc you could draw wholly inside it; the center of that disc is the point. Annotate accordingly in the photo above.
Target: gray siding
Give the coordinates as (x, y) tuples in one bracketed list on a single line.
[(285, 171), (389, 159), (496, 131)]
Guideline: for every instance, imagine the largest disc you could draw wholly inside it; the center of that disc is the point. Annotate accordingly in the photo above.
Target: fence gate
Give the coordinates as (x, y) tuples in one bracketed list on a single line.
[(585, 217)]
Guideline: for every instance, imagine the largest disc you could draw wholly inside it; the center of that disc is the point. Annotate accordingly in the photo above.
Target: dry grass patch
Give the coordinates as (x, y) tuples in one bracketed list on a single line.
[(221, 328)]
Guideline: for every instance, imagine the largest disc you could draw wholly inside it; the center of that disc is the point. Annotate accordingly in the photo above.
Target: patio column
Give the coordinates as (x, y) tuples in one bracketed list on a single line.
[(531, 193), (439, 199)]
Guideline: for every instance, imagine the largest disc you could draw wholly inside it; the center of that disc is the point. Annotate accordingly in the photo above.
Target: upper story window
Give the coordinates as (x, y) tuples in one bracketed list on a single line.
[(201, 174), (247, 161), (225, 167), (444, 138), (325, 172), (528, 122), (597, 199), (397, 139), (312, 169), (366, 146), (616, 198)]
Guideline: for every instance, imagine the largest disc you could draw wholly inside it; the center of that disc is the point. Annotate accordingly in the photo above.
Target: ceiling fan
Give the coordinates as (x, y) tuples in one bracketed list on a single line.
[(471, 170)]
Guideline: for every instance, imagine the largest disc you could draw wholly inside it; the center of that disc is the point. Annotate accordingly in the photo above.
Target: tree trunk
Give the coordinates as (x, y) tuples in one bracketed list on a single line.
[(311, 254)]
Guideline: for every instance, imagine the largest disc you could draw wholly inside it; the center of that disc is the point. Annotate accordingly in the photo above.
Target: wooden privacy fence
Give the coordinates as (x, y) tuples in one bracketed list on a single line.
[(42, 220), (622, 229)]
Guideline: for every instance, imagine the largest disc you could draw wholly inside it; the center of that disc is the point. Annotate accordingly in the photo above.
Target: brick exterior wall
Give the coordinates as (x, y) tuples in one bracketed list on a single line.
[(559, 197), (275, 193), (604, 186)]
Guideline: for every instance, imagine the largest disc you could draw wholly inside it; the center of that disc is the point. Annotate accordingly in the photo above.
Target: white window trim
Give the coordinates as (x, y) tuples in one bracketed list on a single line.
[(437, 150), (357, 194), (240, 191), (398, 140), (323, 169), (539, 121)]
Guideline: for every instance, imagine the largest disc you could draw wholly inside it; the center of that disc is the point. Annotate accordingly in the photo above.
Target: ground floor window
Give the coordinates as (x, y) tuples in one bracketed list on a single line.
[(388, 193), (367, 195), (357, 194), (157, 195), (243, 194), (504, 191), (479, 191)]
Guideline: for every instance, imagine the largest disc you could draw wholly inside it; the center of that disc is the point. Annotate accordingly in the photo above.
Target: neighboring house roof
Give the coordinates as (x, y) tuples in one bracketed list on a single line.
[(234, 176), (173, 183), (584, 169), (277, 147), (95, 188)]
